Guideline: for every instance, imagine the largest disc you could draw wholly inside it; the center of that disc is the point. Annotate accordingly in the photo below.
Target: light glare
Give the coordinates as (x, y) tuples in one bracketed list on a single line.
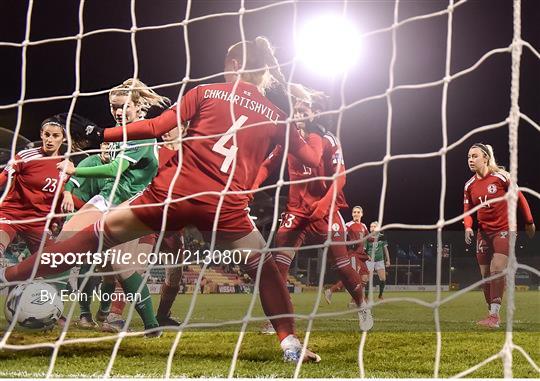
[(328, 45)]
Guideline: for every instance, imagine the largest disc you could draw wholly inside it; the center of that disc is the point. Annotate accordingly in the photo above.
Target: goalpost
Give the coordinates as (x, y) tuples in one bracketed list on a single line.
[(515, 49)]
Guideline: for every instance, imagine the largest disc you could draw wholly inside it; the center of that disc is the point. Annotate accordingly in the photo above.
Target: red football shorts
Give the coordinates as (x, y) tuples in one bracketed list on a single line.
[(233, 224), (296, 230), (359, 264), (488, 243)]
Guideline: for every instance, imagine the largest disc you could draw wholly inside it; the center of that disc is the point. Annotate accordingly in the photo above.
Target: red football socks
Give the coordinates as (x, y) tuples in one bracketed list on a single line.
[(275, 298)]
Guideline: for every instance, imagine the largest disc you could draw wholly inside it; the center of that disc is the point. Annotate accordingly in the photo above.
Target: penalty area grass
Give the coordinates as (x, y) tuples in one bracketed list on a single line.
[(401, 344)]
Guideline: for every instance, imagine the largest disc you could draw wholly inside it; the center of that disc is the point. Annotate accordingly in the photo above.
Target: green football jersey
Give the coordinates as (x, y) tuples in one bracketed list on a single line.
[(87, 187), (143, 165), (375, 249)]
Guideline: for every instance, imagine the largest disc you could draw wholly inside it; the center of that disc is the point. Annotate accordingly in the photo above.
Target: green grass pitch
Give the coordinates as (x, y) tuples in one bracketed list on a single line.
[(402, 343)]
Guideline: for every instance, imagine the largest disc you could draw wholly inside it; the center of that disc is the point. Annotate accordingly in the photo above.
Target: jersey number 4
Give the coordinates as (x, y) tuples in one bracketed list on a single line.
[(229, 153)]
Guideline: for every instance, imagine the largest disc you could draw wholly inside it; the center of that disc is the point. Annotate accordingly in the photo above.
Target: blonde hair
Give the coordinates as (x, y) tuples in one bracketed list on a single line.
[(487, 151), (263, 66), (141, 95)]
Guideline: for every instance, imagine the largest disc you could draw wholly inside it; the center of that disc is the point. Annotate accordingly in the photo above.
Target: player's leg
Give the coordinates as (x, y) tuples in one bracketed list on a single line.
[(328, 293), (172, 244), (91, 212), (6, 236), (121, 225), (274, 295), (131, 277), (500, 243), (290, 234), (371, 268), (483, 257), (85, 319), (381, 273), (109, 286), (339, 260)]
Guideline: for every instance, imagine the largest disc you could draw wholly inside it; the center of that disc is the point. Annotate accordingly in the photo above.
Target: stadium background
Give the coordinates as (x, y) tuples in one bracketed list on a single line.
[(476, 99)]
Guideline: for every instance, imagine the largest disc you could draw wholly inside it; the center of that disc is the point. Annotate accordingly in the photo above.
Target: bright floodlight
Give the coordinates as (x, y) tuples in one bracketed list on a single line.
[(328, 45)]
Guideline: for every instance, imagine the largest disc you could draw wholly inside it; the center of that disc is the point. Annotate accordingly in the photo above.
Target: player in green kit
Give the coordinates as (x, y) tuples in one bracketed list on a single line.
[(78, 191), (379, 258), (137, 164)]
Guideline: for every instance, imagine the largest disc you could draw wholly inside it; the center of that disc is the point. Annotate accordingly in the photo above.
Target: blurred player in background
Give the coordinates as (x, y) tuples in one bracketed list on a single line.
[(32, 181), (232, 126), (492, 240), (356, 232), (376, 247)]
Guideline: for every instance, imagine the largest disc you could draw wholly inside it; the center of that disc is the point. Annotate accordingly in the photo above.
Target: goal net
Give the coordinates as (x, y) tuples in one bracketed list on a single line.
[(407, 49)]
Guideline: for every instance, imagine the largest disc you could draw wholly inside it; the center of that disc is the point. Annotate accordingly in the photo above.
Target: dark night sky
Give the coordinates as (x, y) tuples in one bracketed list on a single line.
[(479, 98)]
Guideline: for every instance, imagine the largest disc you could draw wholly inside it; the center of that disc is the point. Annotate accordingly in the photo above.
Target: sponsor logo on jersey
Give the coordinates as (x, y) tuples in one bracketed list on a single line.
[(492, 188), (503, 234), (335, 226), (89, 129)]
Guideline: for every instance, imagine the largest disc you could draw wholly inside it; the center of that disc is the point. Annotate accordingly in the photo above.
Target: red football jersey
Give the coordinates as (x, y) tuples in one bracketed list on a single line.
[(165, 155), (355, 232), (332, 158), (34, 183), (207, 159), (303, 195), (299, 200)]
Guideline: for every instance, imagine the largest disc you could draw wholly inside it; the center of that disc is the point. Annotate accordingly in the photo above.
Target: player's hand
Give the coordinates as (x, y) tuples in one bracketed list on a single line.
[(68, 205), (67, 165), (530, 229), (85, 132), (469, 234), (387, 263)]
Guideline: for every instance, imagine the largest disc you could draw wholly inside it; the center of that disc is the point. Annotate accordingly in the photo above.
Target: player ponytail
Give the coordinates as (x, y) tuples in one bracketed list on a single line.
[(487, 151), (141, 95), (262, 66)]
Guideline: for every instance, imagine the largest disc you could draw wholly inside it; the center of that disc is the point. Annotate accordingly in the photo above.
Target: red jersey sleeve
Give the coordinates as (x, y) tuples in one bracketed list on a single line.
[(155, 127), (268, 166), (467, 204), (10, 170), (525, 209), (309, 153)]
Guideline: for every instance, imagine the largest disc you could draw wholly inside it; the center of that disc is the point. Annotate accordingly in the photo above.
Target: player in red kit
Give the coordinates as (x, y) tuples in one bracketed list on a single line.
[(356, 231), (232, 126), (307, 216), (492, 240), (33, 181)]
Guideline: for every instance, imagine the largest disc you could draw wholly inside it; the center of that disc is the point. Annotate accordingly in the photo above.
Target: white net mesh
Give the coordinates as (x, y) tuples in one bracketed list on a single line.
[(514, 117)]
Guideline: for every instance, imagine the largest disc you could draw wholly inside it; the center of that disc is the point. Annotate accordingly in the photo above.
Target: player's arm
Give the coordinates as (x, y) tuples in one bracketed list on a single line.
[(268, 166), (525, 210), (386, 254), (10, 171), (141, 129), (155, 127), (322, 207), (335, 161), (121, 163), (467, 220), (308, 152), (70, 202), (3, 178)]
